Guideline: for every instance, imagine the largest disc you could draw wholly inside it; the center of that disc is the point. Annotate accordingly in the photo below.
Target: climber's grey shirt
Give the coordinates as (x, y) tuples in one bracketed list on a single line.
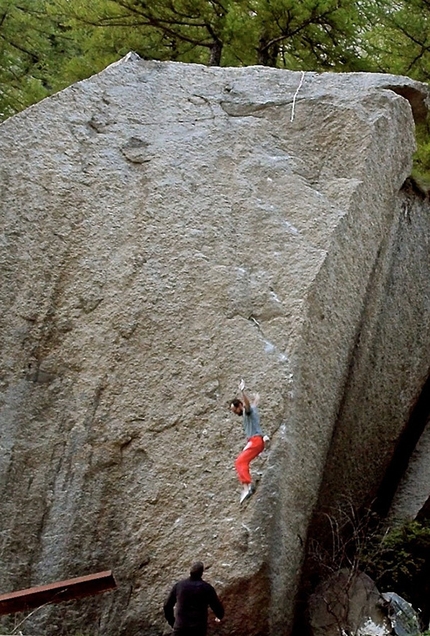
[(251, 422)]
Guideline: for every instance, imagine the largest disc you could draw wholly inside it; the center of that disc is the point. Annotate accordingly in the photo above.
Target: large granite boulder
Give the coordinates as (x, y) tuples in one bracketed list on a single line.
[(348, 602), (166, 230)]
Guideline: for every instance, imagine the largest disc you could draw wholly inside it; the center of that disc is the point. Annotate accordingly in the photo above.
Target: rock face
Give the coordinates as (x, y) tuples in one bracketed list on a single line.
[(389, 367), (413, 493), (166, 230)]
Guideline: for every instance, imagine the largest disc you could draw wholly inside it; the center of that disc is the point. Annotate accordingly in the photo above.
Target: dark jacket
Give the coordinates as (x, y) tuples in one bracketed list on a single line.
[(188, 602)]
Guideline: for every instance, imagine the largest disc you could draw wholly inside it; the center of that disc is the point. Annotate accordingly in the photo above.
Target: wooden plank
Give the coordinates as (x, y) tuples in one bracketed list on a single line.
[(79, 587)]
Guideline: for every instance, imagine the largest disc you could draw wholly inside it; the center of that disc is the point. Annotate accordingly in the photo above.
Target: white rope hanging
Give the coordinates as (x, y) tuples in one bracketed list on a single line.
[(295, 96)]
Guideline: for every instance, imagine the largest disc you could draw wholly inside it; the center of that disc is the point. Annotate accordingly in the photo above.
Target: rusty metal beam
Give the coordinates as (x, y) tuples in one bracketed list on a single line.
[(24, 600)]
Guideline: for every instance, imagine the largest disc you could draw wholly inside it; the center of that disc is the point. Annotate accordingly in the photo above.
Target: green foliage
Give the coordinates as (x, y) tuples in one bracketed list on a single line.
[(161, 29), (401, 553), (48, 44), (32, 47), (309, 35), (399, 561), (400, 40), (20, 56), (291, 33)]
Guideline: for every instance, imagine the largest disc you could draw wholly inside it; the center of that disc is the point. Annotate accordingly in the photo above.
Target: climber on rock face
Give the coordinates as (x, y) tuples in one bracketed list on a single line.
[(255, 440), (186, 608)]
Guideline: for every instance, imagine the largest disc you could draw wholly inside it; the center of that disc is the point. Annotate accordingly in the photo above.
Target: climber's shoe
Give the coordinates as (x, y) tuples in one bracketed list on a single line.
[(247, 493)]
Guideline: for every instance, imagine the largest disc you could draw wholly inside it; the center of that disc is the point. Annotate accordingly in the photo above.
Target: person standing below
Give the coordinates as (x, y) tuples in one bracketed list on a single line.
[(186, 608), (254, 436)]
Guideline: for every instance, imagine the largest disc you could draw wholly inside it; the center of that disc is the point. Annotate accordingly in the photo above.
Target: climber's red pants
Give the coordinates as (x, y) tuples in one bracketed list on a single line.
[(253, 448)]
